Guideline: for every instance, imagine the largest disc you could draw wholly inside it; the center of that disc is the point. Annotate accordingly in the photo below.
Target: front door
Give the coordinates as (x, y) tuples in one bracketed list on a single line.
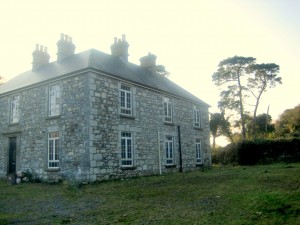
[(12, 155)]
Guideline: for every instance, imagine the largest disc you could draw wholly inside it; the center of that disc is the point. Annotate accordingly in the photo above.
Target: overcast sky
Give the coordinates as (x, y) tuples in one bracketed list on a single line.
[(189, 37)]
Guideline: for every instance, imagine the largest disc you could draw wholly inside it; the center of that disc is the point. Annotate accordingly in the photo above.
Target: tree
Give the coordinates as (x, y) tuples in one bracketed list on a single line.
[(264, 76), (161, 70), (219, 126), (264, 123), (288, 123), (230, 72)]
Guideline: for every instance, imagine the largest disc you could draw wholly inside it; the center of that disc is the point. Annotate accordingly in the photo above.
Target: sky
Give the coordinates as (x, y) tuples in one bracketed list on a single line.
[(189, 37)]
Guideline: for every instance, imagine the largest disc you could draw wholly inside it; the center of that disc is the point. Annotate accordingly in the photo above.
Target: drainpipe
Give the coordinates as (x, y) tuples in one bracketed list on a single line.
[(180, 155), (159, 156)]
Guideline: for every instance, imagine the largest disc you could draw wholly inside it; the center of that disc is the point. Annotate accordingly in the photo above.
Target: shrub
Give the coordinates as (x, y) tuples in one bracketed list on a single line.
[(258, 152), (268, 151)]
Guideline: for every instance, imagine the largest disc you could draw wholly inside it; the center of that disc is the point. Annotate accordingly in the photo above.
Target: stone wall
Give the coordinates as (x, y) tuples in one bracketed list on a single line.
[(90, 126), (148, 129), (35, 124)]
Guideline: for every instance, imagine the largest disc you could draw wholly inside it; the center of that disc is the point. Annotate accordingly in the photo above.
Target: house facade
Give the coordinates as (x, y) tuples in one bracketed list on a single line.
[(94, 116)]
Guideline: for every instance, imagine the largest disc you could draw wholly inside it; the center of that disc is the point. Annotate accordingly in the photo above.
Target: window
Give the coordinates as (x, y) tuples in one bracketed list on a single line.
[(169, 144), (126, 149), (54, 100), (14, 109), (168, 110), (126, 100), (198, 151), (197, 117), (53, 150)]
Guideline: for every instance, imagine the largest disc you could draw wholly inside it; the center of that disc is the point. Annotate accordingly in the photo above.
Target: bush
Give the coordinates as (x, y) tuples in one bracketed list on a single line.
[(258, 152), (225, 155), (269, 151)]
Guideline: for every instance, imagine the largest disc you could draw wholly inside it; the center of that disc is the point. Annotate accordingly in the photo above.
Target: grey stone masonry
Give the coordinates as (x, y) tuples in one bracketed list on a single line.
[(90, 125)]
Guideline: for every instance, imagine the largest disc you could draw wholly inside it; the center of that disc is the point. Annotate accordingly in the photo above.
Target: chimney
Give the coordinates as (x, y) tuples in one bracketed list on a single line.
[(148, 61), (40, 57), (120, 48), (65, 47)]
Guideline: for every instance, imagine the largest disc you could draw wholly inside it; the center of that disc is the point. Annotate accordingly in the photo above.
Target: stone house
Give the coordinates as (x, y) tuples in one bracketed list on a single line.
[(94, 116)]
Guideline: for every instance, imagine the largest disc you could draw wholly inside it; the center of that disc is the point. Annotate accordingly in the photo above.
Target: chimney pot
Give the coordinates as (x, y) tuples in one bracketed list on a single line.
[(40, 57), (148, 61), (120, 48), (65, 47)]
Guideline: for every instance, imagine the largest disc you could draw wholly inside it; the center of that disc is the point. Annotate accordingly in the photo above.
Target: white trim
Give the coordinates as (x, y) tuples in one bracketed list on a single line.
[(14, 109), (168, 110), (169, 150), (54, 99), (198, 148), (53, 150), (126, 149)]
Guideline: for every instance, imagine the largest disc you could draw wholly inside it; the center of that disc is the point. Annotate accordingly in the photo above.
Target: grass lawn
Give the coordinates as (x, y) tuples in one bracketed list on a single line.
[(222, 195)]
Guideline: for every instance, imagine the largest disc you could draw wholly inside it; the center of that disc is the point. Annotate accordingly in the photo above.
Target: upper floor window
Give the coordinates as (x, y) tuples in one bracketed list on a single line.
[(126, 149), (54, 100), (197, 117), (169, 148), (14, 109), (168, 113), (198, 151), (53, 150), (126, 99)]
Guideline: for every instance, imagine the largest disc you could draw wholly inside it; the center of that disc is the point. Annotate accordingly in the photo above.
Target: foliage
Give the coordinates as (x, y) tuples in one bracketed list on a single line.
[(230, 72), (264, 76), (240, 78), (288, 123), (259, 152), (225, 155), (219, 126), (161, 70), (222, 195), (263, 126)]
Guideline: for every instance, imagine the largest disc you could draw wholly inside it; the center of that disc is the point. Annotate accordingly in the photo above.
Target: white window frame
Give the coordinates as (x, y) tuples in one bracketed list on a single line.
[(198, 147), (169, 150), (54, 100), (168, 110), (126, 99), (14, 109), (53, 150), (197, 118), (126, 149)]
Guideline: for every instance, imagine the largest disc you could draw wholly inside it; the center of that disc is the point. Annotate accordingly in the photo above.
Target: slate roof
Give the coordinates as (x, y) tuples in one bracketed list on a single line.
[(102, 62)]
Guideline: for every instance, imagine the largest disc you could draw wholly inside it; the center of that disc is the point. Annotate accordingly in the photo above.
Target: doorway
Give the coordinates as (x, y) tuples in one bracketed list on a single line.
[(12, 155)]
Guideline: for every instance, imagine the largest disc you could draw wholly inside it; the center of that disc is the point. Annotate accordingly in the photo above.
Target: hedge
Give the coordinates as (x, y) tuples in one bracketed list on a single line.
[(259, 152)]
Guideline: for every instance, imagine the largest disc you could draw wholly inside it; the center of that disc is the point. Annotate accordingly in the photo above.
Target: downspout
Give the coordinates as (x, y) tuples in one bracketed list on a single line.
[(159, 156), (180, 154)]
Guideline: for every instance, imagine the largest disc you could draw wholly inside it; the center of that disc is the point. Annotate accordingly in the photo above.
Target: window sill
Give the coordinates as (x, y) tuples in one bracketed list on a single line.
[(53, 117), (127, 116), (168, 123), (128, 167), (13, 124), (199, 165), (170, 166), (52, 169), (198, 128)]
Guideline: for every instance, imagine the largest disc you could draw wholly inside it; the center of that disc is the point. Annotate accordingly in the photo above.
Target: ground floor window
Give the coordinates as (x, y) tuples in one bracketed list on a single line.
[(198, 151), (169, 147), (126, 149), (53, 150)]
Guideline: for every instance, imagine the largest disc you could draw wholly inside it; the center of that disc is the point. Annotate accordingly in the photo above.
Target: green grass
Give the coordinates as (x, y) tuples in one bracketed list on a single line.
[(223, 195)]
